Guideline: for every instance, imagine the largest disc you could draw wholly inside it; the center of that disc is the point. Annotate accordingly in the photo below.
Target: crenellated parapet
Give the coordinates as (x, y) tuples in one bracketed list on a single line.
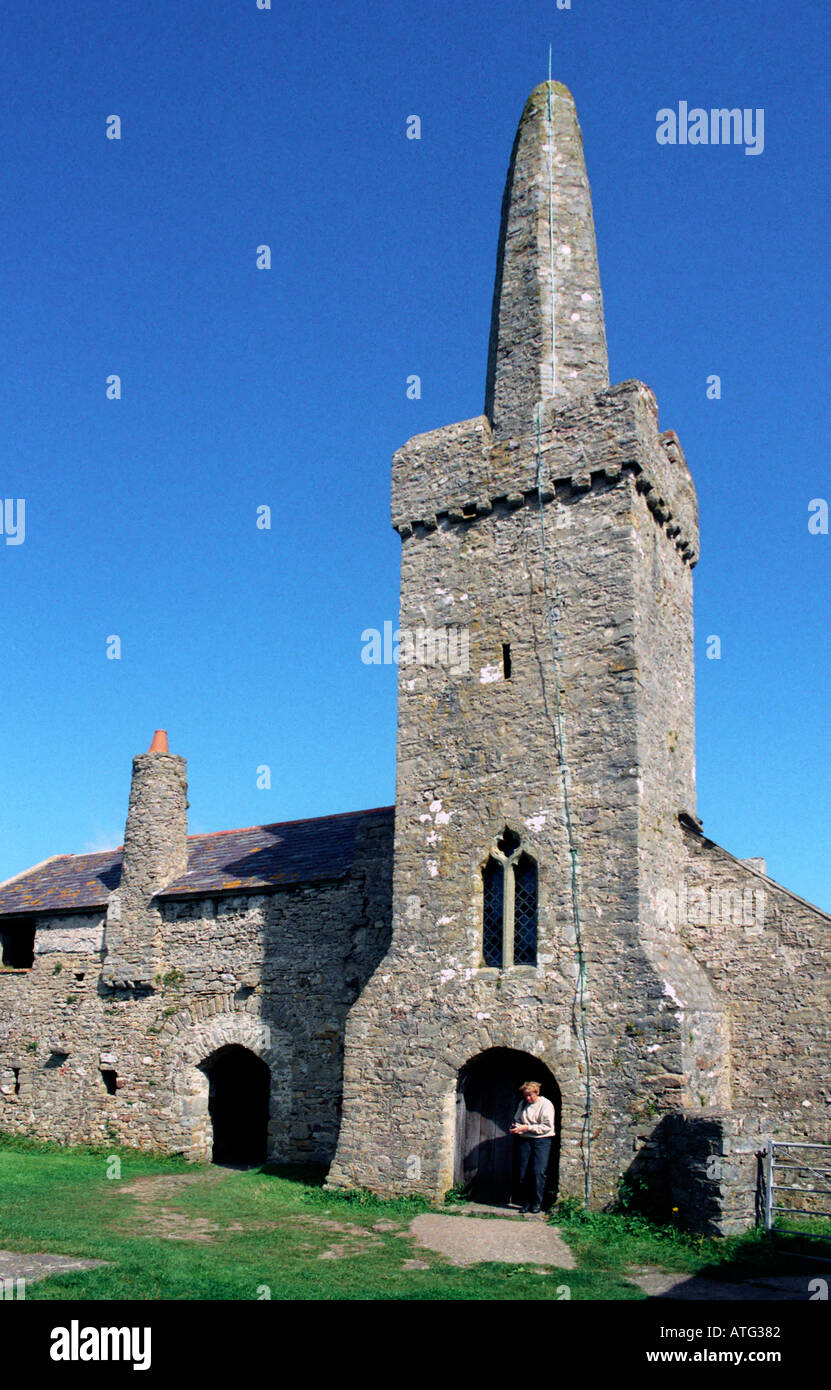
[(463, 472)]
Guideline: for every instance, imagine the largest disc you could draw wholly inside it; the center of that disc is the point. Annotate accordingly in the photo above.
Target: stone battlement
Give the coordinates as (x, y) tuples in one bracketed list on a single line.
[(461, 472)]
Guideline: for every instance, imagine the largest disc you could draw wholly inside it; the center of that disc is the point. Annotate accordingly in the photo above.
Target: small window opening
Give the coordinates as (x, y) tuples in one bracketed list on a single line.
[(506, 660), (18, 943), (110, 1080), (16, 1071), (508, 842), (79, 975), (469, 509), (55, 1059), (509, 905), (525, 911), (493, 876)]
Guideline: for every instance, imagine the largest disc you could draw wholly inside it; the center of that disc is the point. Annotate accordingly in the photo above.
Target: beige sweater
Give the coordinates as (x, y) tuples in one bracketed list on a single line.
[(539, 1116)]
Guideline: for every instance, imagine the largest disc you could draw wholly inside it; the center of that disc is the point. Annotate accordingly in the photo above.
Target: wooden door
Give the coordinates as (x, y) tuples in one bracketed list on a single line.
[(487, 1100)]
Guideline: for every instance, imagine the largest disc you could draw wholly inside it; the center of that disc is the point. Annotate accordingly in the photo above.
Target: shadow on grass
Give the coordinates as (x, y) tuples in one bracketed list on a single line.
[(760, 1256), (309, 1178), (625, 1240), (304, 1174)]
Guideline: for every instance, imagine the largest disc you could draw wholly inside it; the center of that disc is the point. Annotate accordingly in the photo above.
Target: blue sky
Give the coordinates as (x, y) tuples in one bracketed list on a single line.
[(287, 387)]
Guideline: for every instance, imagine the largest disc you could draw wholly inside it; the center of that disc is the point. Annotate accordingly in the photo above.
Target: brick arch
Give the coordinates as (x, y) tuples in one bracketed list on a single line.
[(195, 1042)]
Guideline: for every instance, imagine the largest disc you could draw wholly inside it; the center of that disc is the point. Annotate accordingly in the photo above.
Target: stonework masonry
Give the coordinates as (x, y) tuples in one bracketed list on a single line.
[(155, 853), (547, 303), (673, 1000), (274, 973)]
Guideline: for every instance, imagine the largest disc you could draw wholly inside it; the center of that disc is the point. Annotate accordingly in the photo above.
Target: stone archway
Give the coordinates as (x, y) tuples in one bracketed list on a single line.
[(195, 1050), (487, 1096), (239, 1085)]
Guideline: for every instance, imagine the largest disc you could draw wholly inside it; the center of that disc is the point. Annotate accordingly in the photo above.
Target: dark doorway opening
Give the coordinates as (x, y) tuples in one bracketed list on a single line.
[(17, 943), (486, 1102), (239, 1084)]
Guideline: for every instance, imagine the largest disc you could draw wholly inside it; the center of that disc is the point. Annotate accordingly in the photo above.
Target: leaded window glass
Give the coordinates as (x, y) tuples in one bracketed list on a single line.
[(493, 884), (509, 904), (525, 911)]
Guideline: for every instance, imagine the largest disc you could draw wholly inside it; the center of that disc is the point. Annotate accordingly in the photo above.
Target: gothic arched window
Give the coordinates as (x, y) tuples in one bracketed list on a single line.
[(509, 905), (492, 912)]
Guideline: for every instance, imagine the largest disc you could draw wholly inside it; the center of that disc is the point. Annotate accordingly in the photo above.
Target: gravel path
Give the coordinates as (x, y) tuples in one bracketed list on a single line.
[(468, 1240), (664, 1283), (31, 1267)]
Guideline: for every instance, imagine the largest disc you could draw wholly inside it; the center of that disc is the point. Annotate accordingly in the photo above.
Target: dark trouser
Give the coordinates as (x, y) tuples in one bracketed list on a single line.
[(533, 1165)]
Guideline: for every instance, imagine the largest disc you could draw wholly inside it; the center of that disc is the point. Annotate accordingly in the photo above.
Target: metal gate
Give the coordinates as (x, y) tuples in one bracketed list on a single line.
[(783, 1161)]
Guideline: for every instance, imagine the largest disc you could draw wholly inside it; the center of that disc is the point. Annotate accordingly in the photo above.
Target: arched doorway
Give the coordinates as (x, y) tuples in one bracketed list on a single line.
[(487, 1097), (239, 1084)]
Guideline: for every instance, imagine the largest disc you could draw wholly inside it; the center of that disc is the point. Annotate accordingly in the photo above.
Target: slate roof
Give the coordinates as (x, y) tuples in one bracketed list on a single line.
[(259, 858)]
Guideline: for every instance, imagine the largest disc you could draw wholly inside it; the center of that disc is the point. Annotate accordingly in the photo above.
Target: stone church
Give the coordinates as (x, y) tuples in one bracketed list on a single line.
[(368, 990)]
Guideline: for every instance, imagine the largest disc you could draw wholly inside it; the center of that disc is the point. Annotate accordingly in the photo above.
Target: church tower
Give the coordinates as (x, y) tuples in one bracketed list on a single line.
[(545, 763)]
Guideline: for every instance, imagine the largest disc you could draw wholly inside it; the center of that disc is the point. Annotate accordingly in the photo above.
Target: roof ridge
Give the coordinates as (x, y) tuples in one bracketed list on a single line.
[(202, 835), (757, 873), (264, 856), (301, 820), (50, 860)]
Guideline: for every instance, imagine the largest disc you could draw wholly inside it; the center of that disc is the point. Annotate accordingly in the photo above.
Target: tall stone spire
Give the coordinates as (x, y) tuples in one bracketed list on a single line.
[(546, 216)]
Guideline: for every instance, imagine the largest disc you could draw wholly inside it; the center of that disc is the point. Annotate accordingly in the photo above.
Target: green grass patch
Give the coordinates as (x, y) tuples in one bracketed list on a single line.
[(175, 1230), (617, 1240), (172, 1230), (21, 1143)]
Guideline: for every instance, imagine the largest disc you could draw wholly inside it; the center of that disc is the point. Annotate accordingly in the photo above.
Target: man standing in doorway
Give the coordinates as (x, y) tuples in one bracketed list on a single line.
[(534, 1127)]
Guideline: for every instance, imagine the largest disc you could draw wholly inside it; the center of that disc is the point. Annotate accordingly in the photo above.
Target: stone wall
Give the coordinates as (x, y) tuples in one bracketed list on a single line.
[(768, 954), (274, 972), (701, 1171)]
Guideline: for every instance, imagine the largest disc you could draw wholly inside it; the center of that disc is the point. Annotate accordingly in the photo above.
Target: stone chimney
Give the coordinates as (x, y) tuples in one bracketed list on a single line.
[(548, 336), (155, 853)]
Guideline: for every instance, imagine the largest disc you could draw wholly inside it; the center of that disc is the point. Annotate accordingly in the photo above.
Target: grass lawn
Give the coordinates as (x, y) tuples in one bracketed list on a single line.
[(174, 1230)]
